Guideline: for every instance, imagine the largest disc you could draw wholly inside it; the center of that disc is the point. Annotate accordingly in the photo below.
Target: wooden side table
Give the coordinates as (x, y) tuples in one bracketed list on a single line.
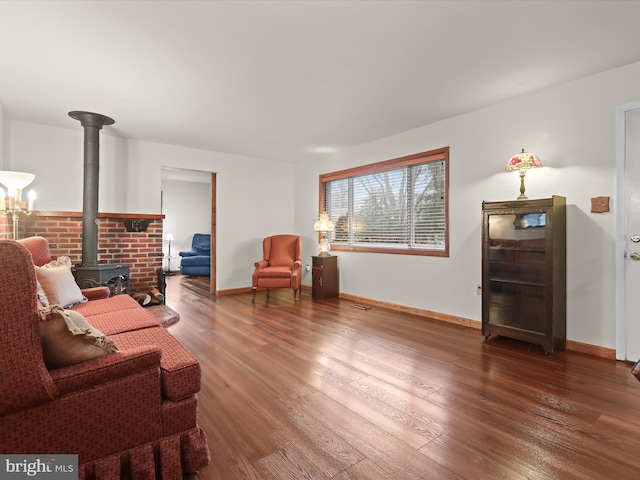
[(324, 274)]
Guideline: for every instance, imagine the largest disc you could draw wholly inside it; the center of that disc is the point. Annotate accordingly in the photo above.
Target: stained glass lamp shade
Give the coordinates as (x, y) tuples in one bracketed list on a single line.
[(523, 161)]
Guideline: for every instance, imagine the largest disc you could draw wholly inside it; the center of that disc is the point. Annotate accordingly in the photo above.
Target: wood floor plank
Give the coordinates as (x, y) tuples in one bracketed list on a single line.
[(321, 445), (468, 462), (253, 434), (365, 470), (288, 464), (406, 428), (416, 384), (328, 451), (227, 459), (319, 389), (545, 440), (381, 447), (312, 371), (430, 414)]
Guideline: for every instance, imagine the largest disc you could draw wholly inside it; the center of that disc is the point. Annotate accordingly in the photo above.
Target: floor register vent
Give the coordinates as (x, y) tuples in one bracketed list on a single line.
[(361, 307)]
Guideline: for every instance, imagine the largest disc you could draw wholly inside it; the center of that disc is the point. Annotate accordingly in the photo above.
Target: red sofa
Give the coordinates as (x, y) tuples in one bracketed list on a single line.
[(130, 414)]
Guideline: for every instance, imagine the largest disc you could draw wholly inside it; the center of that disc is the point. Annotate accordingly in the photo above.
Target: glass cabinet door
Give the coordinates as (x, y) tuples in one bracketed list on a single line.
[(517, 270)]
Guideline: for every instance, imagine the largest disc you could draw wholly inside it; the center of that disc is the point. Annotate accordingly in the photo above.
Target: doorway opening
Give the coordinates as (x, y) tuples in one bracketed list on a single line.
[(188, 201)]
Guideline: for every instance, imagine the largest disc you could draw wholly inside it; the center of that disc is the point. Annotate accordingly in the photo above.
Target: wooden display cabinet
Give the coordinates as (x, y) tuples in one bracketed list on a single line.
[(524, 271), (324, 274)]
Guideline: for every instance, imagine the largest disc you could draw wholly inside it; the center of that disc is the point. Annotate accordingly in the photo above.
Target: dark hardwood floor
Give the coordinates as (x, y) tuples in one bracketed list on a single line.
[(322, 390)]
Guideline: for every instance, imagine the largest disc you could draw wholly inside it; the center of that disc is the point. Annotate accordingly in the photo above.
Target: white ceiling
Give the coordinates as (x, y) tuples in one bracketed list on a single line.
[(282, 79)]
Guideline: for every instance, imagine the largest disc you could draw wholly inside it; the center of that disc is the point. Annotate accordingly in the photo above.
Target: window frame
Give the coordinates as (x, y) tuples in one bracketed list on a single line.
[(414, 159)]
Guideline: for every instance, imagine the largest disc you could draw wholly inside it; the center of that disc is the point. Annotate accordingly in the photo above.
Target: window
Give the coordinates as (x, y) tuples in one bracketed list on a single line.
[(396, 206)]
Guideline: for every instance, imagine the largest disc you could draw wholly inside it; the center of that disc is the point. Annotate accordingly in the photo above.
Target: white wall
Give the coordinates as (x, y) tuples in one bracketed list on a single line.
[(55, 156), (571, 128), (5, 137), (187, 210), (254, 196)]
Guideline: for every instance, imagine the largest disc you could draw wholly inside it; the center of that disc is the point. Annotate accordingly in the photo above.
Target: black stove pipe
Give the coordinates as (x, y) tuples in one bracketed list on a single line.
[(92, 124)]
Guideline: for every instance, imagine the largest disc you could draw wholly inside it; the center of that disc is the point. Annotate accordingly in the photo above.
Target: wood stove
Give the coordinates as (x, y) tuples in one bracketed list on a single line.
[(89, 273), (114, 276)]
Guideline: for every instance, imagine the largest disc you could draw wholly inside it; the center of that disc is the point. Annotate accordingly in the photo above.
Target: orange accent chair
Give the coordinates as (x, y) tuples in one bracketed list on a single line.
[(281, 265)]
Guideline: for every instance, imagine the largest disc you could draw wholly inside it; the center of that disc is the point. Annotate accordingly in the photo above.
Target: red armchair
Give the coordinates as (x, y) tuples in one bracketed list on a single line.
[(281, 265)]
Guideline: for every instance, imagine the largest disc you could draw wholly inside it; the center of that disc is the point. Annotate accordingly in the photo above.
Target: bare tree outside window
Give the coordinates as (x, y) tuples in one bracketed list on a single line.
[(397, 206)]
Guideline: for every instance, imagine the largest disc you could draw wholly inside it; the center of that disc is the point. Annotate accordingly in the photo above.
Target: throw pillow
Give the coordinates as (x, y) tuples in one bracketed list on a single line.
[(58, 262), (68, 338), (60, 288), (42, 296)]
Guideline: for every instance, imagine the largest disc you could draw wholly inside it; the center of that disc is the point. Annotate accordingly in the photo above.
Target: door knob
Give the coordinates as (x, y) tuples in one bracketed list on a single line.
[(635, 238), (635, 255)]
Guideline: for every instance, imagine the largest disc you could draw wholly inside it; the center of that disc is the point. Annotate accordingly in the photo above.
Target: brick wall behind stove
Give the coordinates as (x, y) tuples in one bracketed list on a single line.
[(142, 251)]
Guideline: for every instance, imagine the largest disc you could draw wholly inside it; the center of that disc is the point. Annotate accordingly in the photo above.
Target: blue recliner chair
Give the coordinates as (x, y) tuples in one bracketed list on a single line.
[(197, 261)]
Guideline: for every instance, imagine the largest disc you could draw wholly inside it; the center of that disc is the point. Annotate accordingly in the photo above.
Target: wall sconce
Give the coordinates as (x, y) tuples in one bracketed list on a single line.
[(523, 161), (15, 182), (324, 225)]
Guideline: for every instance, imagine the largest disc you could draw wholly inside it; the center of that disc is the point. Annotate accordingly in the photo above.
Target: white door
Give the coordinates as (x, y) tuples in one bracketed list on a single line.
[(632, 259)]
